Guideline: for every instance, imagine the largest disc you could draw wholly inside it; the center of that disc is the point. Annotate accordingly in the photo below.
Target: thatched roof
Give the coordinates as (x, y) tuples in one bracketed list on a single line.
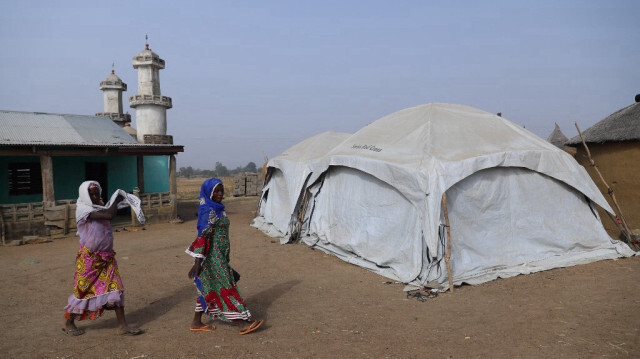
[(622, 125), (557, 138)]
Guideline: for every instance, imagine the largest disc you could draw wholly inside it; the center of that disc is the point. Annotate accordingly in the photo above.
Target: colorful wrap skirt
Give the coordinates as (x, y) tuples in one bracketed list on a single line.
[(97, 285), (218, 293)]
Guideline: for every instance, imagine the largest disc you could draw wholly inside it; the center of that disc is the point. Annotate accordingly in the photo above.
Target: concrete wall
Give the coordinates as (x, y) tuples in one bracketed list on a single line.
[(25, 219), (112, 101), (619, 164), (156, 174), (150, 120), (148, 80)]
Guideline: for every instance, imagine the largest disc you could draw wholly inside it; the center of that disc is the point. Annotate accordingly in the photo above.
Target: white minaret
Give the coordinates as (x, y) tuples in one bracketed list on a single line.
[(151, 107), (112, 88)]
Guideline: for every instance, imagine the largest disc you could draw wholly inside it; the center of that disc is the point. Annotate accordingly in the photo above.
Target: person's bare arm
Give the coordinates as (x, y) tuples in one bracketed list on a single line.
[(108, 213), (195, 269)]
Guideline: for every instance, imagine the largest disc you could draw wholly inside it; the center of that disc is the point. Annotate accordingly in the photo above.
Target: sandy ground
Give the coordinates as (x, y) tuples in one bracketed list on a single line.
[(314, 305)]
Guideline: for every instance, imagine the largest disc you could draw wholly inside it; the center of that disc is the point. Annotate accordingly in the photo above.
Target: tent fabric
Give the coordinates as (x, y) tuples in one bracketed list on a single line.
[(286, 175), (536, 234), (518, 203)]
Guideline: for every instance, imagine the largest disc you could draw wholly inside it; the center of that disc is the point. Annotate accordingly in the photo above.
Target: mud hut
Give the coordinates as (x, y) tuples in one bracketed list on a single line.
[(557, 138), (614, 144)]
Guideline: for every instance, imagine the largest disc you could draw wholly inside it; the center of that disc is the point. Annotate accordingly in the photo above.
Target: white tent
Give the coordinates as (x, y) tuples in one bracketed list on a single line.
[(286, 177), (516, 203)]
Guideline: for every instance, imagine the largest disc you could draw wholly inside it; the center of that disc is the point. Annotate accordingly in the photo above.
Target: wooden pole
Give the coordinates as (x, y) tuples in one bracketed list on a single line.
[(447, 251), (140, 163), (65, 229), (173, 187), (173, 184), (46, 171), (625, 229), (264, 170), (135, 192), (302, 211), (2, 224)]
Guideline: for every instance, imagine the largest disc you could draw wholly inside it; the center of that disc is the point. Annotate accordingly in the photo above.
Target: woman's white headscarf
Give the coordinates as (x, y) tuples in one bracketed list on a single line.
[(84, 205)]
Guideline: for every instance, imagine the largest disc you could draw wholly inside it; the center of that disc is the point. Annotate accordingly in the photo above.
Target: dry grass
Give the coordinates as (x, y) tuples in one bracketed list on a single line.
[(189, 188)]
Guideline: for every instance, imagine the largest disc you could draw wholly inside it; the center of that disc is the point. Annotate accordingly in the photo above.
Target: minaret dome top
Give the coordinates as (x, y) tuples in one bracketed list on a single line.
[(113, 82), (147, 57)]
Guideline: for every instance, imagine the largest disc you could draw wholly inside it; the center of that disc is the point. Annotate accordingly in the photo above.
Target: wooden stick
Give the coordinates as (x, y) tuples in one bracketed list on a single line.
[(66, 219), (302, 211), (2, 224), (447, 251), (625, 229)]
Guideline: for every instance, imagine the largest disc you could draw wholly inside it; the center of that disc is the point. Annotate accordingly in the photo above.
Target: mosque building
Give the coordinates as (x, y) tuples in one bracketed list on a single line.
[(45, 156)]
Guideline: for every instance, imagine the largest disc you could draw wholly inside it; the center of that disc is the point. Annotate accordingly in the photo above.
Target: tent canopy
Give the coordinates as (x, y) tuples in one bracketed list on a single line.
[(286, 176), (517, 203)]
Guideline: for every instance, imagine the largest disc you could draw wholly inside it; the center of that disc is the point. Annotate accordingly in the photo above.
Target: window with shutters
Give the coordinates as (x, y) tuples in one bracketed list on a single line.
[(24, 178)]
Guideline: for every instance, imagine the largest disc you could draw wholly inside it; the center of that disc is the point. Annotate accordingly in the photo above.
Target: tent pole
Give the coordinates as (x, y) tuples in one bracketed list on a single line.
[(447, 251), (625, 229), (302, 210)]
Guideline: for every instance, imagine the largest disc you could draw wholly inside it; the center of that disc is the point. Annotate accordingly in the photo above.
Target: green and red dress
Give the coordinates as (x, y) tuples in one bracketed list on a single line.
[(218, 286)]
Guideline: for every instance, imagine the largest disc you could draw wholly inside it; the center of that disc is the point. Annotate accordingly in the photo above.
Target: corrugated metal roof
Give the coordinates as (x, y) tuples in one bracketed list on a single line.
[(36, 128)]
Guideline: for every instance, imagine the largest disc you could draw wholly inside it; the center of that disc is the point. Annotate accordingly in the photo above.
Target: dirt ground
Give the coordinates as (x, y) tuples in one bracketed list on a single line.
[(314, 305)]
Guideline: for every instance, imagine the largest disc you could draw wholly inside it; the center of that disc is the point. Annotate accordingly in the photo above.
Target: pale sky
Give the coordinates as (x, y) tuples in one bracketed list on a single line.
[(249, 79)]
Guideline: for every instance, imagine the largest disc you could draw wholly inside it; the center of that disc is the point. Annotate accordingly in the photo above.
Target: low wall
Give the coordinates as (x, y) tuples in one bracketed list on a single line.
[(21, 219), (59, 219), (159, 207), (247, 184)]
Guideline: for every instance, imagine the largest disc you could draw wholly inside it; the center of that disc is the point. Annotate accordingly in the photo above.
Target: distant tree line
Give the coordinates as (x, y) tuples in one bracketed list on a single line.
[(220, 170)]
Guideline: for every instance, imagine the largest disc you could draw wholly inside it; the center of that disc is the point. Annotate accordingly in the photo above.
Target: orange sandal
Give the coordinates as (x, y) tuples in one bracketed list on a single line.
[(203, 328), (255, 325)]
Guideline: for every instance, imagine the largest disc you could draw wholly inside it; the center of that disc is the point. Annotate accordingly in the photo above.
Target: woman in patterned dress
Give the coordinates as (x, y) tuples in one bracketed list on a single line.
[(218, 294), (97, 283)]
